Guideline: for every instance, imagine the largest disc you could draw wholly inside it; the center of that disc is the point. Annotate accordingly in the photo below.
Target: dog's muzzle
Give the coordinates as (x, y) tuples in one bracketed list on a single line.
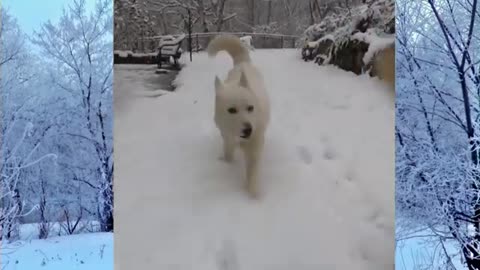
[(246, 131)]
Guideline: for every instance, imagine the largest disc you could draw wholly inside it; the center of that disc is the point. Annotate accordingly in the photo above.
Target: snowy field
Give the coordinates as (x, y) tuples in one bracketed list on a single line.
[(92, 251), (327, 180), (30, 231)]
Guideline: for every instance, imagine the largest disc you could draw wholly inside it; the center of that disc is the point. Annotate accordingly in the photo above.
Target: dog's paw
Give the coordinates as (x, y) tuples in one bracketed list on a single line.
[(226, 159), (253, 195), (253, 192)]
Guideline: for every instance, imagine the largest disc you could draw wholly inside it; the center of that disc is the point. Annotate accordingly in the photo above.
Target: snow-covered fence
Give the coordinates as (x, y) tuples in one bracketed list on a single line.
[(200, 40)]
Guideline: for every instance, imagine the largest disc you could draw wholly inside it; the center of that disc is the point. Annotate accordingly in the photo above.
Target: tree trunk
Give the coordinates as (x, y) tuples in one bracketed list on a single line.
[(43, 226), (310, 8), (106, 214), (13, 230), (269, 12), (471, 253), (220, 10), (251, 14), (470, 250), (202, 16)]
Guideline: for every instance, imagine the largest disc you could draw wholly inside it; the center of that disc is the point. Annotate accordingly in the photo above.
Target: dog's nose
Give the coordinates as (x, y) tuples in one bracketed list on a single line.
[(247, 130)]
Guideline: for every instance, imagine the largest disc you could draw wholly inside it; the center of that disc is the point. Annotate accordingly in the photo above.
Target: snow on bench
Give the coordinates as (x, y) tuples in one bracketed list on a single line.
[(170, 47)]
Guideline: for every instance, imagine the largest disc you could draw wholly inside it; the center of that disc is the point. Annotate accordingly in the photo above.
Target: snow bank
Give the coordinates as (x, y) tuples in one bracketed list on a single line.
[(31, 230), (341, 22), (356, 32)]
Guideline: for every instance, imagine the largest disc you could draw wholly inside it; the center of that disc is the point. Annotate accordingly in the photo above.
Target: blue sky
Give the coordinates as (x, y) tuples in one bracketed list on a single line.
[(31, 13)]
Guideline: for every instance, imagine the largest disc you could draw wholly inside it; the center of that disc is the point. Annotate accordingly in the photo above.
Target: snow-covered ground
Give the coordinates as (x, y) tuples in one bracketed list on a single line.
[(92, 251), (30, 231), (327, 177)]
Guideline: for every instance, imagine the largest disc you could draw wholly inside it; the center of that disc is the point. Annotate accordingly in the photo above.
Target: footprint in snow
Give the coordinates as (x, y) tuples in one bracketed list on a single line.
[(340, 107), (379, 220), (350, 175), (227, 257), (304, 154), (324, 138), (329, 153)]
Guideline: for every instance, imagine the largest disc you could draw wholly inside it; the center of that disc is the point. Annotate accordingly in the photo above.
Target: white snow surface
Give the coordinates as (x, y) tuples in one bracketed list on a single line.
[(30, 231), (92, 251), (327, 176)]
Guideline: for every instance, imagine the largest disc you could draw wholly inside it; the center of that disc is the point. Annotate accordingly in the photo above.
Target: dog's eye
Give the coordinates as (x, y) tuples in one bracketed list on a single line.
[(232, 110), (250, 108)]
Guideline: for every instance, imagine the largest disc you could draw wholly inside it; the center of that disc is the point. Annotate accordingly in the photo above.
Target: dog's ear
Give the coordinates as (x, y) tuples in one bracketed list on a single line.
[(243, 80), (218, 84)]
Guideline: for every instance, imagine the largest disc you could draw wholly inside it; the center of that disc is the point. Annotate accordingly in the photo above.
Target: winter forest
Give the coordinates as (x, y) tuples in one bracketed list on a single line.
[(437, 129), (137, 19), (56, 129)]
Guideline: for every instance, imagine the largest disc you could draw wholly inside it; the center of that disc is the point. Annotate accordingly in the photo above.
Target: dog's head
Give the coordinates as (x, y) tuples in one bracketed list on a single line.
[(235, 108)]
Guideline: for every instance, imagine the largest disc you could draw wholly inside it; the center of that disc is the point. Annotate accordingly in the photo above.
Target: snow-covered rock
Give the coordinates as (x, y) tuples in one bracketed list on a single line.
[(354, 36)]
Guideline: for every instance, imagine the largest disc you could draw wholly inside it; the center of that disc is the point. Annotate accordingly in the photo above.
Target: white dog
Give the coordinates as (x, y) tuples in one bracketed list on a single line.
[(242, 109)]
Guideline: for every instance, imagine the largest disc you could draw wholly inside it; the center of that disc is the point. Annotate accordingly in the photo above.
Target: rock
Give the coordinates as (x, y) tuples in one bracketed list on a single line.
[(349, 55), (319, 49), (324, 46), (390, 26), (307, 51)]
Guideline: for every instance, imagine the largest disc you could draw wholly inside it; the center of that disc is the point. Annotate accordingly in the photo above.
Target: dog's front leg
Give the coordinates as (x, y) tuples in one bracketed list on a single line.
[(228, 148), (252, 159)]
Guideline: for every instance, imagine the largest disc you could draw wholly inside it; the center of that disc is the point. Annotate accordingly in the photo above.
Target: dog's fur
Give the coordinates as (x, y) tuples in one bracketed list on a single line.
[(384, 65), (241, 104)]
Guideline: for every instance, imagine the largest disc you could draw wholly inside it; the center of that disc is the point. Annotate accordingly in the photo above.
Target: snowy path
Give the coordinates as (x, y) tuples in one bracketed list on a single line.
[(327, 179)]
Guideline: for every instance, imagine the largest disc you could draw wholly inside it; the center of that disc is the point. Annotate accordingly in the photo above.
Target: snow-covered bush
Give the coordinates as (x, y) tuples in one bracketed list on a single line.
[(342, 22), (437, 128), (80, 69), (347, 34)]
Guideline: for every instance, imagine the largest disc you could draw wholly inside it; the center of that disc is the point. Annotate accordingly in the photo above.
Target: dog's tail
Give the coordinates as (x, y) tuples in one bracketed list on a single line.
[(385, 65), (232, 45)]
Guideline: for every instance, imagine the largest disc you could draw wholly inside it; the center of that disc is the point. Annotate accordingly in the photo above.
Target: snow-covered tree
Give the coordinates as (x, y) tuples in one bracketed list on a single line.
[(19, 139), (437, 162), (172, 17), (77, 51)]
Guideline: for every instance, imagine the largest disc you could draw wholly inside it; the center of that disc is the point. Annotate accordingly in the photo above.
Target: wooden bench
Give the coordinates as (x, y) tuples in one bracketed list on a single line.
[(170, 47)]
